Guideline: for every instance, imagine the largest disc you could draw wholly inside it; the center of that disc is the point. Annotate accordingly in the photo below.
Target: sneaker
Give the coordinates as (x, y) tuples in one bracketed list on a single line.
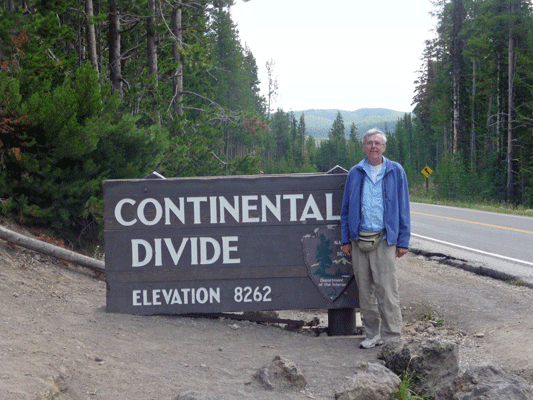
[(368, 343)]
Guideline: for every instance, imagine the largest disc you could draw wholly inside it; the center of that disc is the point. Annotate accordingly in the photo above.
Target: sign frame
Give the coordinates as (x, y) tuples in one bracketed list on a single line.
[(225, 244)]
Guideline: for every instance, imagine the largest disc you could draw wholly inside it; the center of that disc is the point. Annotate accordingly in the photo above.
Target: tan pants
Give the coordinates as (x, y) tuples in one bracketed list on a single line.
[(379, 299)]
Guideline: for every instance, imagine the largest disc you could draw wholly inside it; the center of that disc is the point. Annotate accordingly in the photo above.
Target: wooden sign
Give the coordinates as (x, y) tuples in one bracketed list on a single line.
[(217, 244)]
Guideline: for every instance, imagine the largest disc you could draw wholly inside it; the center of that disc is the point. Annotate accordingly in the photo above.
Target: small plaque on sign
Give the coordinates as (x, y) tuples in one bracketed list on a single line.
[(329, 270)]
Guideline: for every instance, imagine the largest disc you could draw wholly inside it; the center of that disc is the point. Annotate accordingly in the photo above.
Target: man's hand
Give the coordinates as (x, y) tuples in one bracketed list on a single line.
[(347, 250), (401, 251)]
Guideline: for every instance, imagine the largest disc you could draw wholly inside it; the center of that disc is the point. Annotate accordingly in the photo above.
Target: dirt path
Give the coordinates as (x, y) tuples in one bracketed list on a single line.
[(56, 336)]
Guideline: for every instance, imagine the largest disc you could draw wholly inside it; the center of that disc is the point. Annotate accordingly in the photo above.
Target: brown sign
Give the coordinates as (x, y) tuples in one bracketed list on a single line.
[(245, 243)]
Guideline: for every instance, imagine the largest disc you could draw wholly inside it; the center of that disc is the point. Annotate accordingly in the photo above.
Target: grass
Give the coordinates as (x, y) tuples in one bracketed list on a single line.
[(420, 196), (405, 390), (427, 314)]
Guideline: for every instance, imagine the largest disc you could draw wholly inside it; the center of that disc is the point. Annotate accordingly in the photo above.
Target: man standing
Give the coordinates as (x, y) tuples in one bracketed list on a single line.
[(376, 228)]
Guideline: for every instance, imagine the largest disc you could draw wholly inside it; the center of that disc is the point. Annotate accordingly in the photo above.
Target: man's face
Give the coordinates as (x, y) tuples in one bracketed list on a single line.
[(374, 148)]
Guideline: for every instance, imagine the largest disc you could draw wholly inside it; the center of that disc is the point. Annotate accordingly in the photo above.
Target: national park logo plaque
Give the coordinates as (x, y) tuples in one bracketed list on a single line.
[(329, 270)]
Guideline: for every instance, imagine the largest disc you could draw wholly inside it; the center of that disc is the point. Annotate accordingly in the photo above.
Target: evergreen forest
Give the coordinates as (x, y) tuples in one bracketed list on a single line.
[(113, 89)]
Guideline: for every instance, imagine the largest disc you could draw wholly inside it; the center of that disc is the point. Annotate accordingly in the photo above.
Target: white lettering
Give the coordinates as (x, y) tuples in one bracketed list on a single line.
[(247, 207), (196, 206), (311, 204), (226, 206), (213, 209), (194, 251), (176, 299), (203, 250), (156, 293), (137, 298), (175, 256), (329, 208), (150, 211), (202, 296), (158, 297), (135, 243), (118, 212), (214, 295), (292, 198), (167, 295), (226, 249), (185, 293), (274, 209), (158, 212), (145, 298), (178, 212), (158, 253)]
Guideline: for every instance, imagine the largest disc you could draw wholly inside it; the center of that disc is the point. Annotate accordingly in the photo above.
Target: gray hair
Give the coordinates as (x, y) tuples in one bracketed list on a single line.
[(374, 131)]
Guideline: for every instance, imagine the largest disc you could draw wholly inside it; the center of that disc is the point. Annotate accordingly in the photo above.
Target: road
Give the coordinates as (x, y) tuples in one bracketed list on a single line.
[(491, 241)]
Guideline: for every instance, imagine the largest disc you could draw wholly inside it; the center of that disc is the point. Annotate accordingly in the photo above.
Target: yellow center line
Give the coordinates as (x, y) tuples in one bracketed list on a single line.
[(474, 222)]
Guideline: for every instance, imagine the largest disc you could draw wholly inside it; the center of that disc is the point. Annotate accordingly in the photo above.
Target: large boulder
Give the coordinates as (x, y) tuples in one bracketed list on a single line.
[(433, 364), (487, 382), (376, 382)]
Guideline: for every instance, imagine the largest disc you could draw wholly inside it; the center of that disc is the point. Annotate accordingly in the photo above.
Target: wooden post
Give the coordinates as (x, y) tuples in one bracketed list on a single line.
[(341, 321)]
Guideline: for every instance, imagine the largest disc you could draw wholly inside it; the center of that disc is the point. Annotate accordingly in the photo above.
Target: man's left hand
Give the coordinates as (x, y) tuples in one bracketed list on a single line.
[(401, 251)]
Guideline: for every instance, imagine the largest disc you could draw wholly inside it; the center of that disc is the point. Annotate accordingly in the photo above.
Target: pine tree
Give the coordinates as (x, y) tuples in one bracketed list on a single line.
[(337, 129)]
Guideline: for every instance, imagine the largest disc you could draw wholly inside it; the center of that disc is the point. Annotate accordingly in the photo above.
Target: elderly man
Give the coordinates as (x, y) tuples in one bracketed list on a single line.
[(376, 227)]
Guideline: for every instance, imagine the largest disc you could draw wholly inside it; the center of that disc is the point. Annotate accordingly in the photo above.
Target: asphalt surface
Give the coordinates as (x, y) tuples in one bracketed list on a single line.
[(488, 243)]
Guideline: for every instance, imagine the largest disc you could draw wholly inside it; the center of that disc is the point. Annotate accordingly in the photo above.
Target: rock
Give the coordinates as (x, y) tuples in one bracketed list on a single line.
[(487, 382), (434, 363), (375, 383), (280, 373), (192, 395), (53, 387)]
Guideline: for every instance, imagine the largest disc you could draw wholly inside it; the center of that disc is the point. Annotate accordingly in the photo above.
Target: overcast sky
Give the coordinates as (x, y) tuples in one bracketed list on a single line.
[(338, 54)]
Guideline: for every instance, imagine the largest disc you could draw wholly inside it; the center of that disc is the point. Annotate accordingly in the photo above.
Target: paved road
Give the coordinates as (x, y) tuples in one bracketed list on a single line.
[(493, 241)]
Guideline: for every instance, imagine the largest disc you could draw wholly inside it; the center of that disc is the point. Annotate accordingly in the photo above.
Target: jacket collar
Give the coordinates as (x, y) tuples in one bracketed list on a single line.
[(364, 162)]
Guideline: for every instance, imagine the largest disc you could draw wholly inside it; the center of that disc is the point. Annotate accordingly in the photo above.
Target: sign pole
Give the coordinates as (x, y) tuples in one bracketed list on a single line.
[(427, 172), (341, 321)]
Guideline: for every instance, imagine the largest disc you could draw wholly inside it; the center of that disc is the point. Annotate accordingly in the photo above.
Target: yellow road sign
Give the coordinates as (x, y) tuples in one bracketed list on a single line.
[(427, 171)]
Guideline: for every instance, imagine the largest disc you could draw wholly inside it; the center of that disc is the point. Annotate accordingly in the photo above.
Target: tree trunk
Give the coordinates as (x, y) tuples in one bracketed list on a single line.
[(151, 45), (115, 66), (91, 34), (151, 50), (51, 250), (510, 106), (457, 70), (473, 118), (177, 46)]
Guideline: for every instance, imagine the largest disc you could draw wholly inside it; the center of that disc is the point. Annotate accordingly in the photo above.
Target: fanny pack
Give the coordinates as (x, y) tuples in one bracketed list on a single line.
[(369, 241)]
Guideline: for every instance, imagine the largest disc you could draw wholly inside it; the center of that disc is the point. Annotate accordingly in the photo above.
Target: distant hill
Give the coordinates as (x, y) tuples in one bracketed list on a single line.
[(318, 122)]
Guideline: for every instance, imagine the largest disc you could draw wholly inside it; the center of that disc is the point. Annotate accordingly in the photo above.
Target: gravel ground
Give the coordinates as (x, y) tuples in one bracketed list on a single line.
[(57, 341)]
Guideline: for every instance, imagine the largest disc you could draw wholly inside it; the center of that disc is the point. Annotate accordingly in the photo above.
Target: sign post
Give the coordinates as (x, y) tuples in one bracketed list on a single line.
[(427, 172), (220, 244)]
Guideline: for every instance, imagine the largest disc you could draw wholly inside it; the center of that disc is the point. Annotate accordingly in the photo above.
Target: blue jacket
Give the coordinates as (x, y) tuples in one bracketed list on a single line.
[(397, 217)]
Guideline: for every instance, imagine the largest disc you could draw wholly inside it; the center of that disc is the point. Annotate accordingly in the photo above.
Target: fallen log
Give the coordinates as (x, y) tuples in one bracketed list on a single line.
[(51, 250)]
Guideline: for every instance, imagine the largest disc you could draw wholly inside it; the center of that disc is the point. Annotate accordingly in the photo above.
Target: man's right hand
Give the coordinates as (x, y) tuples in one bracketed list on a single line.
[(347, 250)]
